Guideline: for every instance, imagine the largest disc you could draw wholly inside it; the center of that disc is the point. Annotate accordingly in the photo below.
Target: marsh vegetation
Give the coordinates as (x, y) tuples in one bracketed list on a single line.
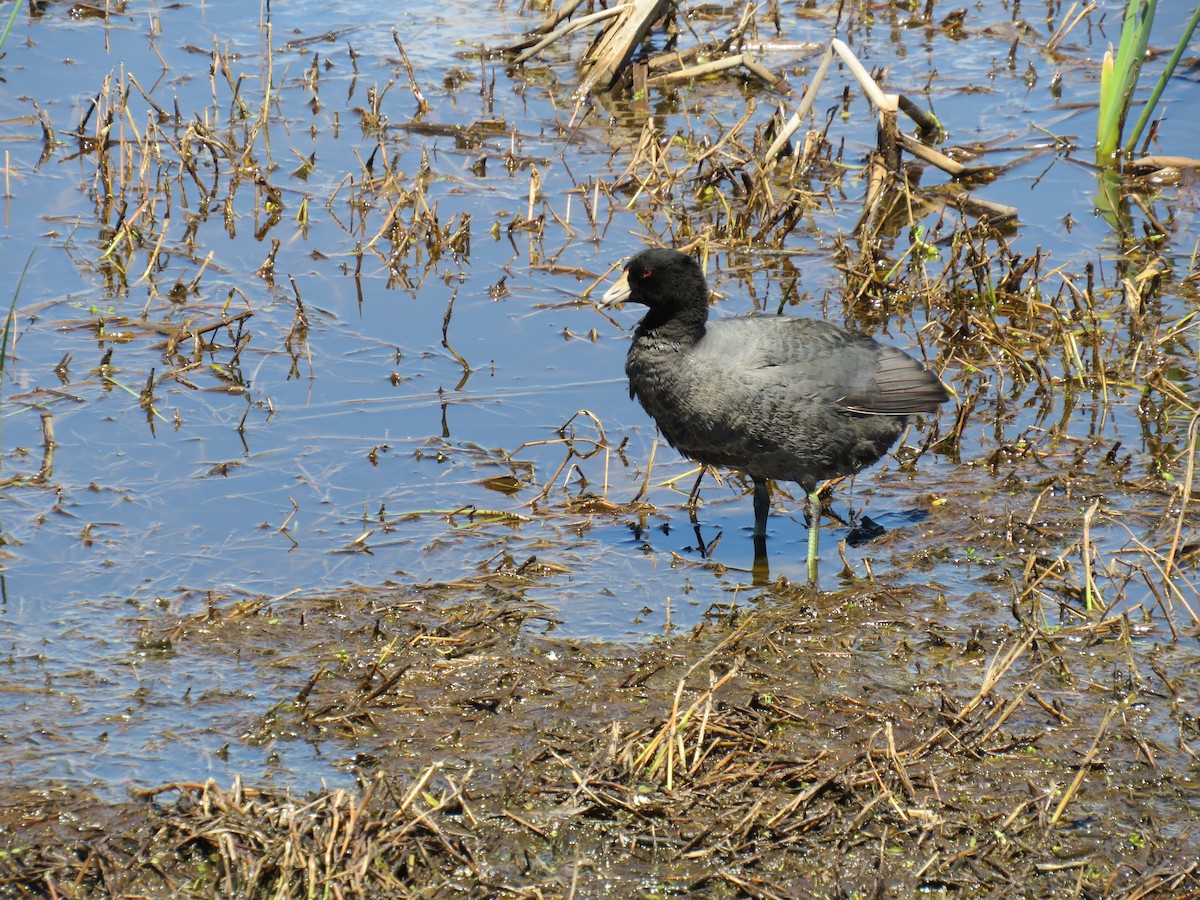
[(336, 560)]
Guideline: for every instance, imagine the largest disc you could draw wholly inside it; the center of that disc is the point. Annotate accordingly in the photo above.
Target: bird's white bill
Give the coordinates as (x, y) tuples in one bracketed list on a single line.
[(618, 293)]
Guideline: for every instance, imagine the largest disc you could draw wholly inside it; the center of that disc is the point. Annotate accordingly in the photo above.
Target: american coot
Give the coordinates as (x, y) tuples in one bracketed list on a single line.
[(775, 397)]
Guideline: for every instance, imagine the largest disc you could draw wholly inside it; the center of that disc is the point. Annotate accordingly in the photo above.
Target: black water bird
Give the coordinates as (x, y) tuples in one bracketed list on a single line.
[(776, 397)]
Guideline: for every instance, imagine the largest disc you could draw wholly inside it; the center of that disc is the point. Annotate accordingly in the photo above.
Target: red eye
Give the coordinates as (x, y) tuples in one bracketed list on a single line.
[(646, 273)]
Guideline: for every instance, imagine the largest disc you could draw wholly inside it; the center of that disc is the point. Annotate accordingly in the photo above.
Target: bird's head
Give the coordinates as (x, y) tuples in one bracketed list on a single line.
[(665, 280)]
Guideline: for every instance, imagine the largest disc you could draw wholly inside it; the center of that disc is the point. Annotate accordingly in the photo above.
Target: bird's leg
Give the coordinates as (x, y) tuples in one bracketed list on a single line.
[(694, 496), (762, 506), (760, 571), (814, 528)]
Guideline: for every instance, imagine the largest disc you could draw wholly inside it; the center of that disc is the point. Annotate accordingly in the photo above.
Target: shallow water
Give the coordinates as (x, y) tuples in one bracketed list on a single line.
[(362, 435)]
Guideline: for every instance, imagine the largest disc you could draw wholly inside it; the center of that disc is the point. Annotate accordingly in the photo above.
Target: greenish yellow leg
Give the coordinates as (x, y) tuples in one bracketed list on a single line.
[(814, 533)]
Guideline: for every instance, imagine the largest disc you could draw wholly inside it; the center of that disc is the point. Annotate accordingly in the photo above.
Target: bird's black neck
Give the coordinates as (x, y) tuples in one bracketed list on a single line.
[(682, 326)]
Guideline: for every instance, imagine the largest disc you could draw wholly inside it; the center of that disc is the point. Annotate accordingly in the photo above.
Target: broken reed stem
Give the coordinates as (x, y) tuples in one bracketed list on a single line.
[(1184, 498), (708, 68), (422, 103), (645, 488), (446, 334), (419, 785), (1015, 702), (802, 111), (48, 445), (999, 666), (1091, 595), (570, 27), (670, 731), (562, 11), (1047, 569), (921, 150), (600, 442), (668, 744), (1068, 25), (872, 90), (743, 60), (616, 45), (1084, 765)]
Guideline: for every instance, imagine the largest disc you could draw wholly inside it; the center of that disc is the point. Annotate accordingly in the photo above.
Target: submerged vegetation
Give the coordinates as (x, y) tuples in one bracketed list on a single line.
[(327, 317)]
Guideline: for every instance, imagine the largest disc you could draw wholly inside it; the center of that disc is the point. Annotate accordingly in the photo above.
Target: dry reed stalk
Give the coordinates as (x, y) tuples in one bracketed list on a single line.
[(700, 71), (1082, 770), (713, 67), (598, 444), (1067, 25), (998, 667), (418, 94), (557, 34), (616, 45)]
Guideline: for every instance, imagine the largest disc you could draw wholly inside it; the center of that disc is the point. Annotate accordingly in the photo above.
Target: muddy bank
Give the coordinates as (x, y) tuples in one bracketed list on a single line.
[(842, 744)]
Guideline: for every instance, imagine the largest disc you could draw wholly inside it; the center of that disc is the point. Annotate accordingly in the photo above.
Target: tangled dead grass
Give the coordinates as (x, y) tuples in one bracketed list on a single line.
[(743, 759)]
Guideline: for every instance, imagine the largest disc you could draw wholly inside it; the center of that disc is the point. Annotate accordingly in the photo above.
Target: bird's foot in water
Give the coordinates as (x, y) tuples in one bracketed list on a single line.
[(864, 532), (868, 529)]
